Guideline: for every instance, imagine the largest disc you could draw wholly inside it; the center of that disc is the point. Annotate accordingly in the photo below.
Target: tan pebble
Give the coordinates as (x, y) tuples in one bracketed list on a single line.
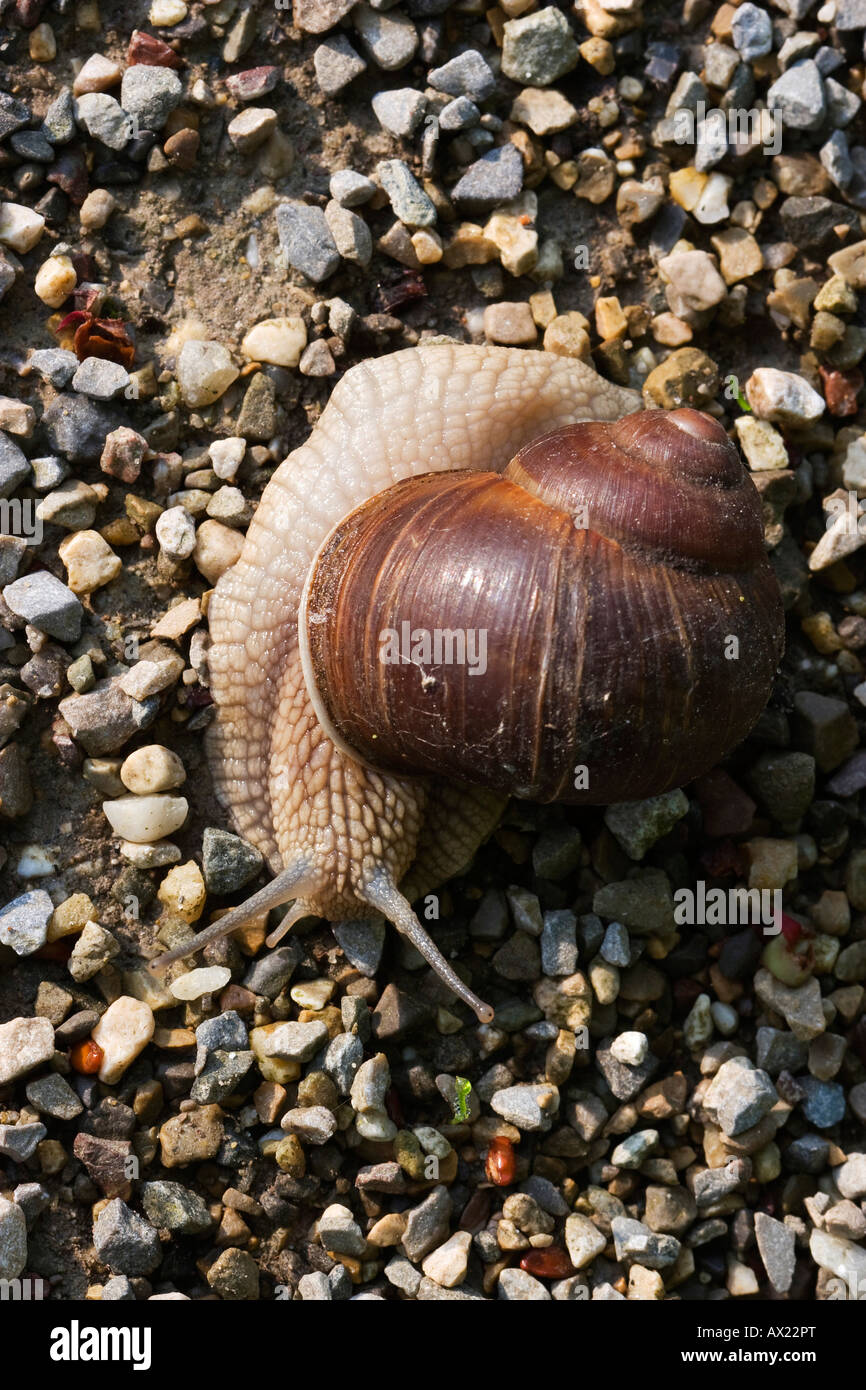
[(152, 769), (97, 208), (55, 280)]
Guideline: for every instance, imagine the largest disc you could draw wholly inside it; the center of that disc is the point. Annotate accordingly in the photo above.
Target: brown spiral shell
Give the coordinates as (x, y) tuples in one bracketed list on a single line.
[(633, 622)]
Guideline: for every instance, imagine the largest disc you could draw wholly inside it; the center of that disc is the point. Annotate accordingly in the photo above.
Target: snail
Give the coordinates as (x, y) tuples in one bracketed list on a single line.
[(612, 558)]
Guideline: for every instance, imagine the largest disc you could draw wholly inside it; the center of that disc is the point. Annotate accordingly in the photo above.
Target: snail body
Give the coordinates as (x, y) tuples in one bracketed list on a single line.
[(465, 490)]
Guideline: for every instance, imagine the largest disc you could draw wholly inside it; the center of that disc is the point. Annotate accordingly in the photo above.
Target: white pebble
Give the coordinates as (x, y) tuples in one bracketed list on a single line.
[(195, 983), (144, 819), (123, 1032), (725, 1018), (175, 531), (630, 1048), (227, 455), (20, 227)]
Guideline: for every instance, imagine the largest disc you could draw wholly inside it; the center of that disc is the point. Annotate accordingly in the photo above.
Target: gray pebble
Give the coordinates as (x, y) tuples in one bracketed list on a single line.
[(400, 112), (343, 1056), (336, 64), (18, 1142), (100, 379), (496, 177), (307, 241), (799, 96), (125, 1241), (751, 32), (24, 921), (270, 974), (150, 94), (14, 467), (351, 189), (559, 943), (54, 365), (467, 75), (362, 944), (53, 1095), (46, 604), (58, 122), (408, 199), (460, 114), (228, 862), (824, 1103), (13, 1240), (635, 1241), (390, 39)]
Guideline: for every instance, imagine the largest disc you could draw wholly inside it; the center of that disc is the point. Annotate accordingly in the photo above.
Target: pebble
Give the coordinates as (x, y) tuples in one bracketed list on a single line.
[(150, 94), (510, 323), (103, 117), (53, 1095), (763, 446), (783, 397), (196, 983), (20, 227), (630, 1048), (390, 39), (251, 128), (339, 1232), (145, 819), (740, 1095), (538, 48), (54, 365), (24, 922), (152, 769), (351, 189), (125, 1241), (235, 1276), (123, 1031), (427, 1225), (776, 1246), (751, 32), (18, 1142), (528, 1107), (400, 111), (515, 1285), (13, 1240), (842, 1257), (93, 950), (14, 467), (336, 64), (205, 371), (467, 75), (352, 237), (497, 177), (46, 604), (76, 427), (407, 198), (191, 1137), (172, 1207), (306, 240), (313, 1124), (279, 341), (824, 1102), (636, 1242)]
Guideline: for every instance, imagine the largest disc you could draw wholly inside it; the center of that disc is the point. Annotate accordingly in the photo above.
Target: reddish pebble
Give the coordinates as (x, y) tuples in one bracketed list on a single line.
[(725, 807), (252, 84), (147, 49), (394, 1107), (550, 1263), (86, 1057), (840, 390), (501, 1162)]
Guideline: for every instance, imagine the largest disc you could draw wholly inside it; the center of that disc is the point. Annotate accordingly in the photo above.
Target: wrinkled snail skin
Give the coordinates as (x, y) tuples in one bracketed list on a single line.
[(608, 645), (344, 839)]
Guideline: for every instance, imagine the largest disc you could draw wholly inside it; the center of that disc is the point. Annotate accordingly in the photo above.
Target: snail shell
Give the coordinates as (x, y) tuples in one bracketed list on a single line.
[(345, 840), (631, 620)]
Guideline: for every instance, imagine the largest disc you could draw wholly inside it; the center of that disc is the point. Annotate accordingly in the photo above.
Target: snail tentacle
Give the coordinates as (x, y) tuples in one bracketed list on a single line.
[(294, 882), (382, 893)]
